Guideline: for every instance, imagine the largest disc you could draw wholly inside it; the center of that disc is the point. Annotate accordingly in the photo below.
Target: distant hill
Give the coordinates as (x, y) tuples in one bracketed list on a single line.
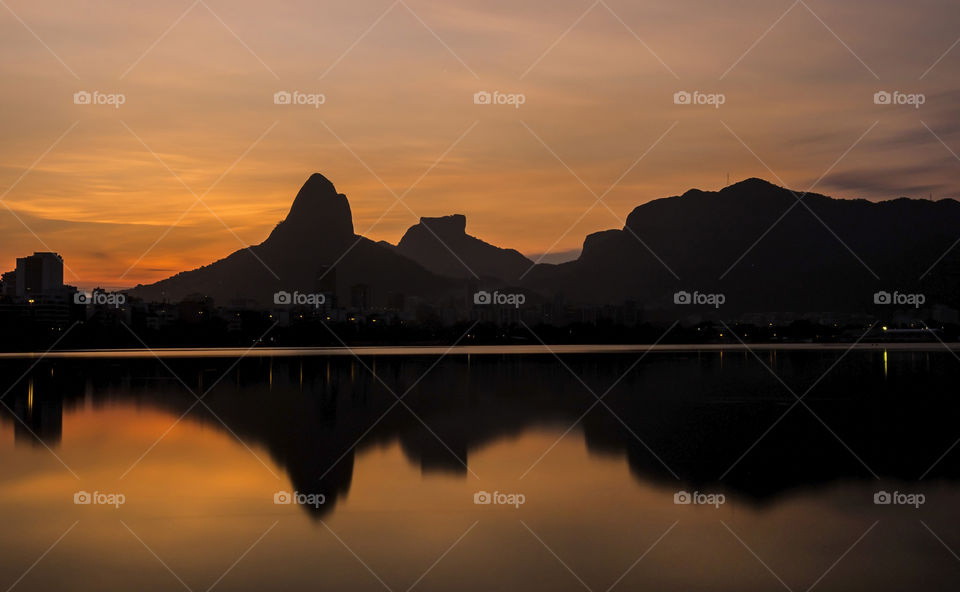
[(443, 246), (755, 244), (317, 232)]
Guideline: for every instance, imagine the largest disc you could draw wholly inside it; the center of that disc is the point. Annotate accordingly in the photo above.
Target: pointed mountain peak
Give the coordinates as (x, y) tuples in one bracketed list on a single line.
[(318, 212), (317, 192)]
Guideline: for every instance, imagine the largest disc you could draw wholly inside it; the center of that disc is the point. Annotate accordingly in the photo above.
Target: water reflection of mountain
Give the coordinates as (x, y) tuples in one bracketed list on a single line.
[(699, 413)]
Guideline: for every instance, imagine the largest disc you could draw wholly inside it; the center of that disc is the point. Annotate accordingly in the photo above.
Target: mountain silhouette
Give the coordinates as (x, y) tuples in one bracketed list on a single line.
[(766, 248), (443, 246), (316, 235), (766, 251)]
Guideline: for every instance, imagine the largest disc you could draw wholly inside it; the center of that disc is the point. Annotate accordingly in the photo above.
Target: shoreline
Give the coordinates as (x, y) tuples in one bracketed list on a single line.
[(438, 350)]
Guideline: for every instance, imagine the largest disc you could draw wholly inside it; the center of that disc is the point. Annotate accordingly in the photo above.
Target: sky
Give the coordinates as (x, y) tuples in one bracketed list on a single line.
[(199, 160)]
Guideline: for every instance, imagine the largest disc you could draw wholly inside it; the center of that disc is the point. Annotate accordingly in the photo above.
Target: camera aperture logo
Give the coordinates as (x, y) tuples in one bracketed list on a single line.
[(485, 498), (684, 498), (283, 97), (684, 297), (299, 299), (100, 298), (885, 498), (99, 498), (82, 97), (484, 297), (882, 97), (498, 98), (682, 97), (914, 300), (301, 499)]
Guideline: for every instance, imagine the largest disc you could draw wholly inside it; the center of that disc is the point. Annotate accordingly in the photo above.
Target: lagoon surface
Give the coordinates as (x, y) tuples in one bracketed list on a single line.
[(583, 457)]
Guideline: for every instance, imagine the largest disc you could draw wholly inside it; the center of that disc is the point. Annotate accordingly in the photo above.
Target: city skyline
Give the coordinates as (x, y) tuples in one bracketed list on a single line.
[(115, 186)]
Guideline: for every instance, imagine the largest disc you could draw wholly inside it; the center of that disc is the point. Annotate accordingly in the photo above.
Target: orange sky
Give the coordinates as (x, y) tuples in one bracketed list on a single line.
[(398, 80)]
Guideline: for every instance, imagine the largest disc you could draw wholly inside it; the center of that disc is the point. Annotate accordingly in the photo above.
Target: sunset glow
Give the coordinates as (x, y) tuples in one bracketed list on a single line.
[(199, 161)]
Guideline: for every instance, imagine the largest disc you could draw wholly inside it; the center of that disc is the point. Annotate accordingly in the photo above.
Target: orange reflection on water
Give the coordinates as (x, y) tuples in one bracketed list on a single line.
[(200, 499)]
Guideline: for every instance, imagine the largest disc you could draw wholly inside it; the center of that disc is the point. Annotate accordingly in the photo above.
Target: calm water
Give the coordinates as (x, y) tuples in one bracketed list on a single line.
[(398, 481)]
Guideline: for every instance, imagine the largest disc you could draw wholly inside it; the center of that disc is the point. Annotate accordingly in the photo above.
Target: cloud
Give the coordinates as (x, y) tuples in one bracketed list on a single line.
[(905, 181)]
